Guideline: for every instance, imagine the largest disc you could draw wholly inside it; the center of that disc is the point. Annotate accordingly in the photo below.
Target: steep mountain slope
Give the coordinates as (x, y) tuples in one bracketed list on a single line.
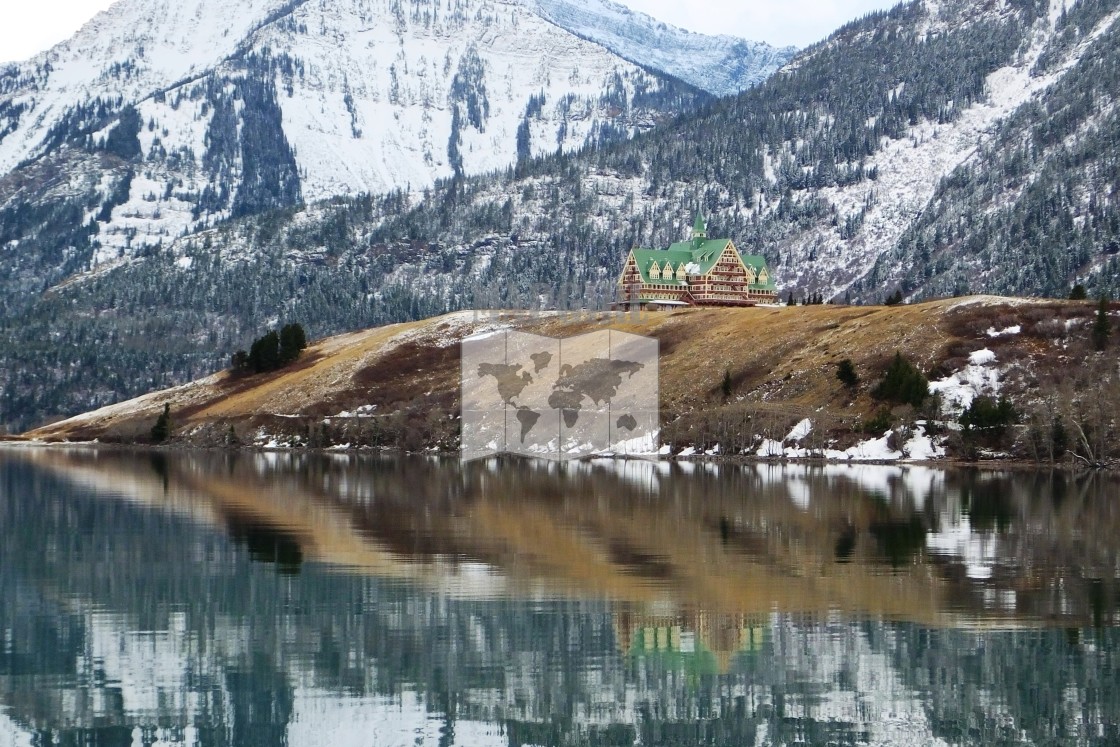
[(824, 168), (300, 100), (125, 54), (1036, 206), (722, 65)]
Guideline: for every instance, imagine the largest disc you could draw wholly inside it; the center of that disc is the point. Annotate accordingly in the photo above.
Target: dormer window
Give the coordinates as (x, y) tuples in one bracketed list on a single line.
[(655, 271)]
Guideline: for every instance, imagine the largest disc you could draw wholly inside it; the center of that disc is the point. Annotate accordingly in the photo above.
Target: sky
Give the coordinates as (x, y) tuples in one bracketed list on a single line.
[(29, 27)]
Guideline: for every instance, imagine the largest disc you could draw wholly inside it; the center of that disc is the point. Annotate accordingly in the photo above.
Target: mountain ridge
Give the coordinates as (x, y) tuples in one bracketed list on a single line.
[(477, 87), (834, 168), (738, 64)]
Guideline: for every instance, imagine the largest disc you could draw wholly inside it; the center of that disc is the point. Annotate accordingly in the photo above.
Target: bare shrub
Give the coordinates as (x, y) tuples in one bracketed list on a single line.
[(1047, 329), (899, 437)]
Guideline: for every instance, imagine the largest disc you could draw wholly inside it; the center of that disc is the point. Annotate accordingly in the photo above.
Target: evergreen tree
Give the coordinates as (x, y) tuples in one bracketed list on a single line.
[(903, 383), (1102, 327), (988, 415), (846, 372), (161, 431), (264, 355), (1059, 439), (1077, 293), (240, 362), (292, 342), (726, 386), (123, 139)]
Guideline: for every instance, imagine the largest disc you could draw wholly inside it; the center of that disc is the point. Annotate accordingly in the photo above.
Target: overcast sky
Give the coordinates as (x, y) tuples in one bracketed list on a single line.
[(31, 26)]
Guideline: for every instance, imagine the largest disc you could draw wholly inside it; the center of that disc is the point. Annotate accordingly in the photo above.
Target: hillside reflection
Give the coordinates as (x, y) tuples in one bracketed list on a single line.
[(931, 546), (268, 598)]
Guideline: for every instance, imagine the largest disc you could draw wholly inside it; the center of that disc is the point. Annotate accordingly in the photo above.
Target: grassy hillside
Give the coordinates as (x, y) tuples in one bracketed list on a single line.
[(728, 377)]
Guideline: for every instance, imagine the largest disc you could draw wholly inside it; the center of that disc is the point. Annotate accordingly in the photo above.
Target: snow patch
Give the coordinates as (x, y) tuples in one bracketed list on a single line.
[(362, 411), (922, 447), (800, 431), (978, 378), (981, 357), (771, 448), (919, 447)]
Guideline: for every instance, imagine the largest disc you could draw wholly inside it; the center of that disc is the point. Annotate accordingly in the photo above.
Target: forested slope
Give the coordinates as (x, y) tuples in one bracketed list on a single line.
[(935, 148)]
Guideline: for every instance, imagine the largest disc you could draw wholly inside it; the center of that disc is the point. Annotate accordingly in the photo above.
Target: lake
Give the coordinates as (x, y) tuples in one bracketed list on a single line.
[(264, 599)]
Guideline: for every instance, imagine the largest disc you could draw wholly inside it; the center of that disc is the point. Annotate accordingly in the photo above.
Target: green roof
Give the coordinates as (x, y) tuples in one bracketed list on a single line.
[(698, 256), (698, 661), (700, 227), (758, 263)]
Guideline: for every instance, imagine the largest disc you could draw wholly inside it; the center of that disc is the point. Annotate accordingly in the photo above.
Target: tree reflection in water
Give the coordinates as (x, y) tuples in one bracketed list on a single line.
[(263, 599)]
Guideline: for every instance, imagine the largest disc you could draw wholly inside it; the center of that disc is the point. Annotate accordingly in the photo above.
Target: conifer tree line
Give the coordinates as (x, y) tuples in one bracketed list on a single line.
[(271, 351), (1038, 207)]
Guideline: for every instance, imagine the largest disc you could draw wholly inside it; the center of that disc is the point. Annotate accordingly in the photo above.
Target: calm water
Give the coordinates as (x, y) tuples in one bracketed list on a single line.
[(276, 599)]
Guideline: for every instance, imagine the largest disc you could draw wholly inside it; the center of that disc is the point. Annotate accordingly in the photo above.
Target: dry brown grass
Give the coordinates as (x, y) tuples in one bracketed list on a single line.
[(781, 361)]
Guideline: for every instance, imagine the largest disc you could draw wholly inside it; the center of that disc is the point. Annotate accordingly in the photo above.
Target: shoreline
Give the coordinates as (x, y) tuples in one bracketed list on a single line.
[(1003, 464)]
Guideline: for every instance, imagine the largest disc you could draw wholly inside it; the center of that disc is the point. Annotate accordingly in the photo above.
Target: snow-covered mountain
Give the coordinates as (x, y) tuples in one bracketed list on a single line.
[(215, 110), (722, 65), (939, 147)]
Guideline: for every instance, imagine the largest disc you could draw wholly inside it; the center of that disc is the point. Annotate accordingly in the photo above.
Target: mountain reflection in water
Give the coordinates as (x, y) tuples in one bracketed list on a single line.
[(285, 598)]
